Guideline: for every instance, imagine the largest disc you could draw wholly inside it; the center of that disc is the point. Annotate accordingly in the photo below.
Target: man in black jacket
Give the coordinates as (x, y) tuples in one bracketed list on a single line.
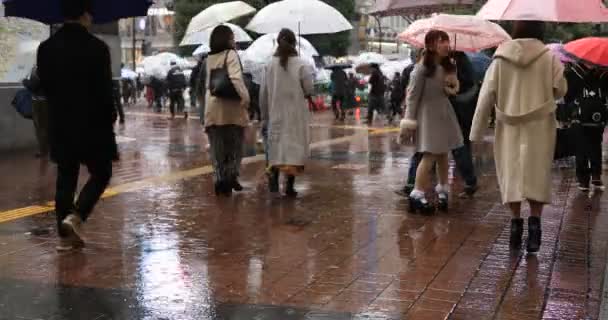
[(586, 100), (176, 80), (339, 81), (75, 73), (376, 93)]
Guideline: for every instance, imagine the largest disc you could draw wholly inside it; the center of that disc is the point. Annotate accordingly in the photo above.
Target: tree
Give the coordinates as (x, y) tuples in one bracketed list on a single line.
[(335, 44), (185, 10)]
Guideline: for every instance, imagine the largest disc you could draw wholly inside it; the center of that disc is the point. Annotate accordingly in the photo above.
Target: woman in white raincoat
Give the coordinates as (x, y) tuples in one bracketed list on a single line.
[(523, 83), (287, 84)]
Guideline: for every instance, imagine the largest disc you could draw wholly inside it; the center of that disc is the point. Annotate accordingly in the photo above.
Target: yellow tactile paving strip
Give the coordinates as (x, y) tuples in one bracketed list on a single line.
[(15, 214)]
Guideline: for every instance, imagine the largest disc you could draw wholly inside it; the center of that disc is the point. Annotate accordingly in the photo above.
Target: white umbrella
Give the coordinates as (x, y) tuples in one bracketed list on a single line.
[(302, 17), (204, 36), (264, 48), (126, 73), (390, 68), (370, 58), (217, 14), (203, 49), (160, 64)]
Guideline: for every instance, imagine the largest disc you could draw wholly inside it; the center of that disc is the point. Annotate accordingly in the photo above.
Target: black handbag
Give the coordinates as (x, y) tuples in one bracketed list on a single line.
[(220, 84)]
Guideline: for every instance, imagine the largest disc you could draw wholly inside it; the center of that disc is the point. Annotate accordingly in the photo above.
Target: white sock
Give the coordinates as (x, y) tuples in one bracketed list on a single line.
[(442, 190), (418, 195)]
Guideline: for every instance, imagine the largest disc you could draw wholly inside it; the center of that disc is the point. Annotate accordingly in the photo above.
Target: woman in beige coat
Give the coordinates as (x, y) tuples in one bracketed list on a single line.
[(523, 83), (226, 119)]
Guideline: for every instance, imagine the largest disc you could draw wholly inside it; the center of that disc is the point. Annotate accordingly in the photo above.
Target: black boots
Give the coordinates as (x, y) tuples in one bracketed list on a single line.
[(223, 188), (273, 180), (517, 230), (290, 190), (273, 183), (534, 235)]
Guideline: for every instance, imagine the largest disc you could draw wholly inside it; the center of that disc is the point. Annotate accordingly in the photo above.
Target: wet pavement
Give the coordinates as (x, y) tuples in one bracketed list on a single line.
[(162, 246)]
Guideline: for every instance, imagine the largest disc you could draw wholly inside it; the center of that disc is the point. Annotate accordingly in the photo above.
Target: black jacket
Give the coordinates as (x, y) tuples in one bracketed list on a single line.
[(339, 80), (176, 79), (76, 76), (377, 82), (466, 101)]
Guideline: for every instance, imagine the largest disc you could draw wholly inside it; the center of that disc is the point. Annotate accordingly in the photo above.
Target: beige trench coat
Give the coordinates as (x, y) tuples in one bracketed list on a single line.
[(218, 111), (523, 83)]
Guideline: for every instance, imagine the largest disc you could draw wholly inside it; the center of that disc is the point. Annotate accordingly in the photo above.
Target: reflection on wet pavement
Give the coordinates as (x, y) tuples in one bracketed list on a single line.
[(162, 246)]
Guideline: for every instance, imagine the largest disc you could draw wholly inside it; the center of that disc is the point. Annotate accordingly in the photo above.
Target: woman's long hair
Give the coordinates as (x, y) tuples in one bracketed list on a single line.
[(430, 41), (287, 47), (221, 39)]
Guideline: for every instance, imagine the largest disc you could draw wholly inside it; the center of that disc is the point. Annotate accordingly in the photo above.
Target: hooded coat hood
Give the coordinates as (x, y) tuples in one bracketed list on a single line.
[(521, 52)]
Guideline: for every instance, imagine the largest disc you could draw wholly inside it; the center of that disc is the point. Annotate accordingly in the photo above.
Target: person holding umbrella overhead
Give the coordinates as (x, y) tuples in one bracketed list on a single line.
[(287, 84), (522, 84), (227, 102), (339, 82), (586, 100), (430, 116), (376, 93), (81, 117)]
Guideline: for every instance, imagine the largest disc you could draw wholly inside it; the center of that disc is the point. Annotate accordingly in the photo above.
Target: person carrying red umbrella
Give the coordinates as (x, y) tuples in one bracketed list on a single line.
[(586, 99)]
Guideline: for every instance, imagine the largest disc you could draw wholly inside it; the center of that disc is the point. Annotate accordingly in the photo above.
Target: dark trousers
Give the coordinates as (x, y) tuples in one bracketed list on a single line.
[(374, 103), (464, 165), (588, 153), (337, 103), (176, 97), (119, 108), (67, 181), (226, 151), (158, 101), (395, 108)]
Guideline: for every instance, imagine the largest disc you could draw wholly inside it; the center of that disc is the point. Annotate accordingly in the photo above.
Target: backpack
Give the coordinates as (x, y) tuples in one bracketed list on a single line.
[(590, 106), (22, 102), (177, 80)]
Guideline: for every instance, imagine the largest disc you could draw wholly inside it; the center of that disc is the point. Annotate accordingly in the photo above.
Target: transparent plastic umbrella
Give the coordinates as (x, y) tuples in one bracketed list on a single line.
[(126, 73), (264, 48), (202, 50), (302, 17), (218, 14), (204, 36)]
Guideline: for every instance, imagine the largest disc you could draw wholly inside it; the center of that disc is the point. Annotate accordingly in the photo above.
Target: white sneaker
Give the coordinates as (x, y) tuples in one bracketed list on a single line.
[(597, 186), (72, 225), (69, 244), (65, 245)]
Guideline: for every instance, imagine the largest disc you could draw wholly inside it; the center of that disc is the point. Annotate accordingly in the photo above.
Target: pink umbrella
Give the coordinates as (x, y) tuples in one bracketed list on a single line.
[(468, 33), (558, 50), (415, 7), (579, 11)]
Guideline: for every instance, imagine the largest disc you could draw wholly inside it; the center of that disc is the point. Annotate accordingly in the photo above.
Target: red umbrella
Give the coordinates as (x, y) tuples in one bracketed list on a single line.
[(590, 50)]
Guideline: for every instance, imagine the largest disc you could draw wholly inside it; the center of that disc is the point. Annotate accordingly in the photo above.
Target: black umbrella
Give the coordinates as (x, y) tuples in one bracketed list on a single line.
[(49, 11)]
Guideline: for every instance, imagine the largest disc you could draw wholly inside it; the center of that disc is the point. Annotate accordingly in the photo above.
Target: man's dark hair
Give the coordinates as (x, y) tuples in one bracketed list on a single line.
[(528, 30), (74, 9), (221, 38)]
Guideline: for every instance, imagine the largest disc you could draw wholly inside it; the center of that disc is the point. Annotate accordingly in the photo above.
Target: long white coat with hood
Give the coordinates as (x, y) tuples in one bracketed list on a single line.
[(523, 83)]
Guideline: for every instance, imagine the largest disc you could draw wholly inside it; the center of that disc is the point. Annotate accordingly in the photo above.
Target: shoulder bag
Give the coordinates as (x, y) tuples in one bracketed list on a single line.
[(220, 84)]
